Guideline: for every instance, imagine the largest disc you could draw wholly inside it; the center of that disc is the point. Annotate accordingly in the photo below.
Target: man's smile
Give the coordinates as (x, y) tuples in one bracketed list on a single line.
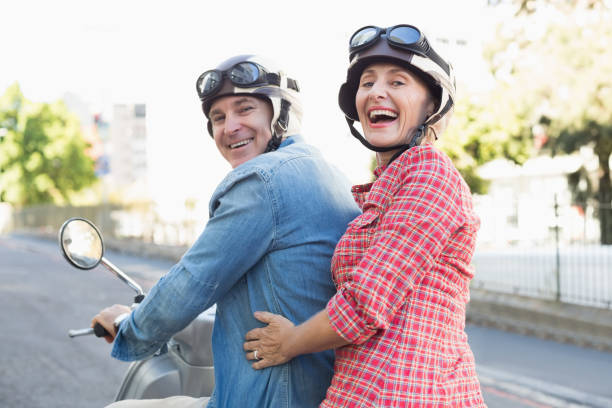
[(240, 143)]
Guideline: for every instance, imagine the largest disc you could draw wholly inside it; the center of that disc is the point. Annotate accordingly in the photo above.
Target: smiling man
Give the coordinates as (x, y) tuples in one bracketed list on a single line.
[(274, 222)]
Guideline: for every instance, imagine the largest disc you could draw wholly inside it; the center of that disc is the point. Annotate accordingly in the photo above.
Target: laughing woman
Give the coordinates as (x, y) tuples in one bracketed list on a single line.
[(402, 268)]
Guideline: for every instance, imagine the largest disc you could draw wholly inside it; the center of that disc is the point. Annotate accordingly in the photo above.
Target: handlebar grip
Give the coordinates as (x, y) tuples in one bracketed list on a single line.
[(100, 331)]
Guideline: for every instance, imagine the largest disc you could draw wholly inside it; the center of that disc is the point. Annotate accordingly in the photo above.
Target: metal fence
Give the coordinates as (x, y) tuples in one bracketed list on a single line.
[(569, 265), (139, 222)]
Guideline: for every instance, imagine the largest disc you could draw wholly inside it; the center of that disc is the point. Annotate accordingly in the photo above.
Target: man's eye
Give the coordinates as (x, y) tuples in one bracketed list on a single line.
[(246, 109)]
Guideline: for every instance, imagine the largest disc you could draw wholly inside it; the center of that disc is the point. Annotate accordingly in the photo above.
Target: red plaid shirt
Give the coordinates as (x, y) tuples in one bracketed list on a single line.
[(402, 270)]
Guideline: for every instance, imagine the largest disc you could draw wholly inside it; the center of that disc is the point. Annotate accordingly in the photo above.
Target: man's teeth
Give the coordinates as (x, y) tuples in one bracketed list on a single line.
[(242, 143), (378, 113)]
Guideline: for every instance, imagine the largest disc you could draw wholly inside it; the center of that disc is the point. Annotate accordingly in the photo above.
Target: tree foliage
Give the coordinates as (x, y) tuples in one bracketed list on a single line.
[(557, 52), (484, 129), (42, 157)]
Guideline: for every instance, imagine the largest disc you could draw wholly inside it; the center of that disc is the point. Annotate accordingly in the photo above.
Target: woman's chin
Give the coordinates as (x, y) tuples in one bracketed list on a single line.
[(383, 137)]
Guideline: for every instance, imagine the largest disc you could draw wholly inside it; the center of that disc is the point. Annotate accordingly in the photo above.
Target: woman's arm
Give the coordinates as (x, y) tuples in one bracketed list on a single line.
[(281, 340)]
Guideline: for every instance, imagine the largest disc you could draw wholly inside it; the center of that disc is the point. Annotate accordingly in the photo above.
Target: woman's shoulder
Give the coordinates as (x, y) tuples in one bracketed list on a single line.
[(427, 159)]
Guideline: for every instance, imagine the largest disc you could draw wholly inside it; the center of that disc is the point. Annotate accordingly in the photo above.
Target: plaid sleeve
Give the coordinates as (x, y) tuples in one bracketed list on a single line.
[(408, 238)]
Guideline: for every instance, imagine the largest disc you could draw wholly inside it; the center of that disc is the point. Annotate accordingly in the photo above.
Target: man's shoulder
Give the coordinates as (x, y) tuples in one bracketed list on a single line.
[(265, 166), (293, 149)]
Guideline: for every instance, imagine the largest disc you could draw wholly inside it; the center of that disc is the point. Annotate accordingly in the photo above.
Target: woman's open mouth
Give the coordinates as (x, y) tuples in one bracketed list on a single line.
[(381, 117)]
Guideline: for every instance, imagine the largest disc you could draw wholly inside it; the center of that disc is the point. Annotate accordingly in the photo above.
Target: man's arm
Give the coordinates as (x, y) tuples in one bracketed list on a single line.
[(238, 234)]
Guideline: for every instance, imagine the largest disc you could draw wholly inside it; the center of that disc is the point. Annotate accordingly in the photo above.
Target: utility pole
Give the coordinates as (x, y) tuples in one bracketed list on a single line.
[(557, 257)]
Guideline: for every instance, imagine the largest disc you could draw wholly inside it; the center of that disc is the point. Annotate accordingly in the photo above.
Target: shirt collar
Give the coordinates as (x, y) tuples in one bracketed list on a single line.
[(291, 140)]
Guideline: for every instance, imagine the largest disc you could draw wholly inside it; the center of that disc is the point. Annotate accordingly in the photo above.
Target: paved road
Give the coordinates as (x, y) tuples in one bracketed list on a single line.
[(41, 297)]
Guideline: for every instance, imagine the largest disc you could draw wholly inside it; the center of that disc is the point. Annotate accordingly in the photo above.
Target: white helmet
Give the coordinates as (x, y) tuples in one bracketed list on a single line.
[(251, 75), (407, 47)]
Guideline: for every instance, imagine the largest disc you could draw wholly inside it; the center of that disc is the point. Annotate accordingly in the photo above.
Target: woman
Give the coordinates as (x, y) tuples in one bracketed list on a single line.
[(402, 268)]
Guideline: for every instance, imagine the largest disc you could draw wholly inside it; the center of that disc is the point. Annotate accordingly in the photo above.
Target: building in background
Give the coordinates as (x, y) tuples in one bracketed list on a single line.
[(127, 152), (117, 136), (528, 205)]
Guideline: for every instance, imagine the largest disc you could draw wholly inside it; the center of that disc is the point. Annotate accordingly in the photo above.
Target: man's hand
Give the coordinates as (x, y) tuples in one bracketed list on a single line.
[(107, 317), (272, 343)]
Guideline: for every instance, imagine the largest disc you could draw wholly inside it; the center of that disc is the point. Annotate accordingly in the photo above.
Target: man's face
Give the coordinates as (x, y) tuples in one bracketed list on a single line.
[(241, 127)]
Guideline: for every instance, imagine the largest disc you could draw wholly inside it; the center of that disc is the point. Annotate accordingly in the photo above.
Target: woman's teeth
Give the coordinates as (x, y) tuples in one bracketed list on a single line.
[(381, 114), (241, 143)]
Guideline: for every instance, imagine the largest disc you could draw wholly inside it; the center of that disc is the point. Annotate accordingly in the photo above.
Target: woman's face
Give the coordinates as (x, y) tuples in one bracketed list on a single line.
[(391, 103)]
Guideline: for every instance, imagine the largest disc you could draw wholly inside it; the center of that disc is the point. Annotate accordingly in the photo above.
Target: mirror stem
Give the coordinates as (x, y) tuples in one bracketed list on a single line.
[(122, 276)]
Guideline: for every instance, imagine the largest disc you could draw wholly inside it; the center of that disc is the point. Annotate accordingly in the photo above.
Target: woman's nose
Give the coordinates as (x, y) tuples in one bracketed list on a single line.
[(378, 91)]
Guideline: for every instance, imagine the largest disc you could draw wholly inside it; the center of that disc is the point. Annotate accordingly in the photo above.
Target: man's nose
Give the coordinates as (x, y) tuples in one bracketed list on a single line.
[(232, 124)]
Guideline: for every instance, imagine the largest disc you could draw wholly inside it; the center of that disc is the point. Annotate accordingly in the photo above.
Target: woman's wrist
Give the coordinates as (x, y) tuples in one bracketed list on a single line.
[(294, 348)]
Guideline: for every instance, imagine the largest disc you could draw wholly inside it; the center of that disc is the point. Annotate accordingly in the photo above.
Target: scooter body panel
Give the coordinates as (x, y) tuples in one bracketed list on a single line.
[(186, 369)]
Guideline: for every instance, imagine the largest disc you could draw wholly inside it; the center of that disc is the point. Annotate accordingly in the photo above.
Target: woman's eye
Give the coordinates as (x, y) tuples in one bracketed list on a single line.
[(367, 84), (397, 83), (217, 119)]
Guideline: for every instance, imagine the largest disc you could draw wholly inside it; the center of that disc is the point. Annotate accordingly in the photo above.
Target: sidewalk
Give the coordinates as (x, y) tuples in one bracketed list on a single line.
[(563, 322)]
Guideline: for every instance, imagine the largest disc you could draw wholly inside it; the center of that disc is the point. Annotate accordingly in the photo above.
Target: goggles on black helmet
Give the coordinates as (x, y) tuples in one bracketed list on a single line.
[(246, 74), (403, 36)]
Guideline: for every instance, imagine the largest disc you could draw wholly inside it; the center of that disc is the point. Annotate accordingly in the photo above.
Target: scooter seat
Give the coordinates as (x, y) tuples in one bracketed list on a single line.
[(195, 340)]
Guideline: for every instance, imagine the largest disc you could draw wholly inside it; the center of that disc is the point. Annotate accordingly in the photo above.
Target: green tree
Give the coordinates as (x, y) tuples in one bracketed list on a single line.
[(487, 128), (561, 57), (42, 151)]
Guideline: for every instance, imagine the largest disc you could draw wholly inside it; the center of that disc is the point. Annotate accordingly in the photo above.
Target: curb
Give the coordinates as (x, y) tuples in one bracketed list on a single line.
[(567, 323)]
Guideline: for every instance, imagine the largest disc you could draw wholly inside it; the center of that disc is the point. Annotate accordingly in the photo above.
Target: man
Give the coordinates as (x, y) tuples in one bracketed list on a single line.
[(274, 222)]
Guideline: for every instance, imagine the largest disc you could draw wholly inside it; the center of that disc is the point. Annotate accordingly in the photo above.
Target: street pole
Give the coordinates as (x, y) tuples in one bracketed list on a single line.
[(557, 257)]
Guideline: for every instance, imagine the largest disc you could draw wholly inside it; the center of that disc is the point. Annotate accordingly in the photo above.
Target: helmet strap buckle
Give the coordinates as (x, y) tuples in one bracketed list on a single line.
[(280, 127)]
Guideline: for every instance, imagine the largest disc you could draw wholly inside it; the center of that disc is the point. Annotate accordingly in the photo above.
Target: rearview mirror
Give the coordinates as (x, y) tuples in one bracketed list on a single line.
[(81, 243)]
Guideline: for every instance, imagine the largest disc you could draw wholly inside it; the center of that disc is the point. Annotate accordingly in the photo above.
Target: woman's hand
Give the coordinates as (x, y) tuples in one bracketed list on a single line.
[(270, 345)]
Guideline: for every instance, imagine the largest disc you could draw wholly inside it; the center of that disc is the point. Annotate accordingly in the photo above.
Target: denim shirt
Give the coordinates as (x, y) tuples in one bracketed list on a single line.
[(274, 223)]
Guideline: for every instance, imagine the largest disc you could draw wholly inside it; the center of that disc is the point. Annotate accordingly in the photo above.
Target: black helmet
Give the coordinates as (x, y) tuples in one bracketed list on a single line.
[(407, 47), (251, 75)]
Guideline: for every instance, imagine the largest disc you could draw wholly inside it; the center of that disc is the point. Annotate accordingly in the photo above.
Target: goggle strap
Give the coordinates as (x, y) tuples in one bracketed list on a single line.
[(433, 55), (273, 79), (293, 84)]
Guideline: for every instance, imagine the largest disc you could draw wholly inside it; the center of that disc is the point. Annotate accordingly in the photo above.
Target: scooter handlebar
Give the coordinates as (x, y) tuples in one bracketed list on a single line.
[(98, 330)]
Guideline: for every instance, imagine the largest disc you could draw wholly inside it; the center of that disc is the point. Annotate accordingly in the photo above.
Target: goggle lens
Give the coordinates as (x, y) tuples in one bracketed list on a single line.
[(363, 36), (404, 35), (209, 82), (245, 73)]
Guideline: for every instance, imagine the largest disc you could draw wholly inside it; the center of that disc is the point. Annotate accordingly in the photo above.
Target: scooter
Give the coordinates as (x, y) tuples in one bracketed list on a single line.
[(184, 367)]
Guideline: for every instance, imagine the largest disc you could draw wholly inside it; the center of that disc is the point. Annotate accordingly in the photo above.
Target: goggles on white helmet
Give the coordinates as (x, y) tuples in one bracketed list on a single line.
[(403, 36), (406, 46), (244, 74), (250, 75)]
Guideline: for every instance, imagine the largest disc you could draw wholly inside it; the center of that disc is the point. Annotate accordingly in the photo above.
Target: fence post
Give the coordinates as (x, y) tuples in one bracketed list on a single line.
[(557, 257)]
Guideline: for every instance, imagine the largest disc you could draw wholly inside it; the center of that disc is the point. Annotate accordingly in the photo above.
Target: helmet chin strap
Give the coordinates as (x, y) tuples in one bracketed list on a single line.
[(401, 148), (280, 127), (414, 141)]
